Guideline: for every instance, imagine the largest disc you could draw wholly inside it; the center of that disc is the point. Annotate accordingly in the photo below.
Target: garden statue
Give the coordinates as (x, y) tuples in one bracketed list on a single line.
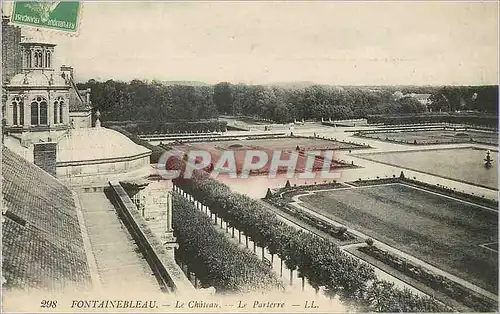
[(488, 160), (97, 121)]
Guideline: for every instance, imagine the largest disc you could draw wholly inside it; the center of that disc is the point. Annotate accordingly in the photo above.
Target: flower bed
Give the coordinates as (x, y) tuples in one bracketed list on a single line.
[(339, 233), (297, 190), (361, 182), (437, 282), (216, 261)]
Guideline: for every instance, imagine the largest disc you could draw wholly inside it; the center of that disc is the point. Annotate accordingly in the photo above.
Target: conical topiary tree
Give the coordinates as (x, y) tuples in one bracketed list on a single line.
[(401, 175), (269, 194), (288, 185), (297, 148)]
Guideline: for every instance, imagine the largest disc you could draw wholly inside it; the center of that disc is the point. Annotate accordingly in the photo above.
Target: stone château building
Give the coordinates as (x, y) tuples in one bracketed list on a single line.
[(55, 166), (48, 120), (42, 103)]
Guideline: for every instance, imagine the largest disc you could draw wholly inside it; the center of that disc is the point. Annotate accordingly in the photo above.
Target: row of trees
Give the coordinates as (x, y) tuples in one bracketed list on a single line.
[(317, 259), (154, 101), (314, 102), (216, 261), (478, 98)]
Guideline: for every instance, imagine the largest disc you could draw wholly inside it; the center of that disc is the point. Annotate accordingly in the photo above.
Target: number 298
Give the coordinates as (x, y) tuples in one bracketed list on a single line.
[(51, 304)]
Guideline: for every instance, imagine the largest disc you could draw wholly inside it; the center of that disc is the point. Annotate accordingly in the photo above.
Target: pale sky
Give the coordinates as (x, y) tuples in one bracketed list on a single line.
[(344, 43)]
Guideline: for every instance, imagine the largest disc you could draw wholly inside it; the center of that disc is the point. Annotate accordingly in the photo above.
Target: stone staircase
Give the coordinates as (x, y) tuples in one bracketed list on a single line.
[(120, 265)]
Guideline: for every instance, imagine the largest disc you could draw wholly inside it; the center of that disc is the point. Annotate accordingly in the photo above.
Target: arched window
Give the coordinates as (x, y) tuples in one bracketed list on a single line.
[(58, 110), (38, 59), (21, 113), (56, 115), (34, 113), (39, 111), (18, 111), (47, 59), (28, 58), (14, 112), (43, 113), (61, 112)]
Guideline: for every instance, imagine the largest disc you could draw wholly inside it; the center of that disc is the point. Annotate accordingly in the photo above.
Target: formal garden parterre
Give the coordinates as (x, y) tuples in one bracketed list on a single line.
[(441, 231), (320, 261), (285, 146), (345, 210)]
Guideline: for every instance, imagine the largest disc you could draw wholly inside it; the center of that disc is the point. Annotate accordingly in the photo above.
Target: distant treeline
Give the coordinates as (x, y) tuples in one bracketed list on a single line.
[(155, 101)]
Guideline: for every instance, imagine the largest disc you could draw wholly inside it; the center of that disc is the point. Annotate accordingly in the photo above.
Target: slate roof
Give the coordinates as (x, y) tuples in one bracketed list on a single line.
[(76, 100), (42, 242)]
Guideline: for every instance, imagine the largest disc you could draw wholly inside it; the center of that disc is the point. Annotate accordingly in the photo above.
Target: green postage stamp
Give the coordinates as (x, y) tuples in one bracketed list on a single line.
[(57, 15)]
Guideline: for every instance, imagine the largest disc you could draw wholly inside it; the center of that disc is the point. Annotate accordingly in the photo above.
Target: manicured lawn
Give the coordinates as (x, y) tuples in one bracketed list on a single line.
[(464, 164), (441, 231)]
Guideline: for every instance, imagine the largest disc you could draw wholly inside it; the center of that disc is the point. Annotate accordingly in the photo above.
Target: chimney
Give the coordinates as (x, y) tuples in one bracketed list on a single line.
[(44, 156)]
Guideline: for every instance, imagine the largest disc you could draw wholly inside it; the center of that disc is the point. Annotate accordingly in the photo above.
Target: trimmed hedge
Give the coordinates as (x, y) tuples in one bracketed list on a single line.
[(317, 259), (216, 261), (320, 224), (142, 127), (469, 119), (437, 282)]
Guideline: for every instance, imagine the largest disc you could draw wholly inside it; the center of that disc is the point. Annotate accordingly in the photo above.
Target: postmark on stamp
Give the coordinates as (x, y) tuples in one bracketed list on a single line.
[(55, 15)]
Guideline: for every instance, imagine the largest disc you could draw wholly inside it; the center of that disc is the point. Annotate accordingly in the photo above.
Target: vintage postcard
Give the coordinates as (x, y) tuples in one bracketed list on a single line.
[(249, 156)]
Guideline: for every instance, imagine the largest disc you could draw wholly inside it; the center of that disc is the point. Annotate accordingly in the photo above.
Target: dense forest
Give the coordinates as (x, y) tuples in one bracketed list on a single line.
[(157, 102)]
